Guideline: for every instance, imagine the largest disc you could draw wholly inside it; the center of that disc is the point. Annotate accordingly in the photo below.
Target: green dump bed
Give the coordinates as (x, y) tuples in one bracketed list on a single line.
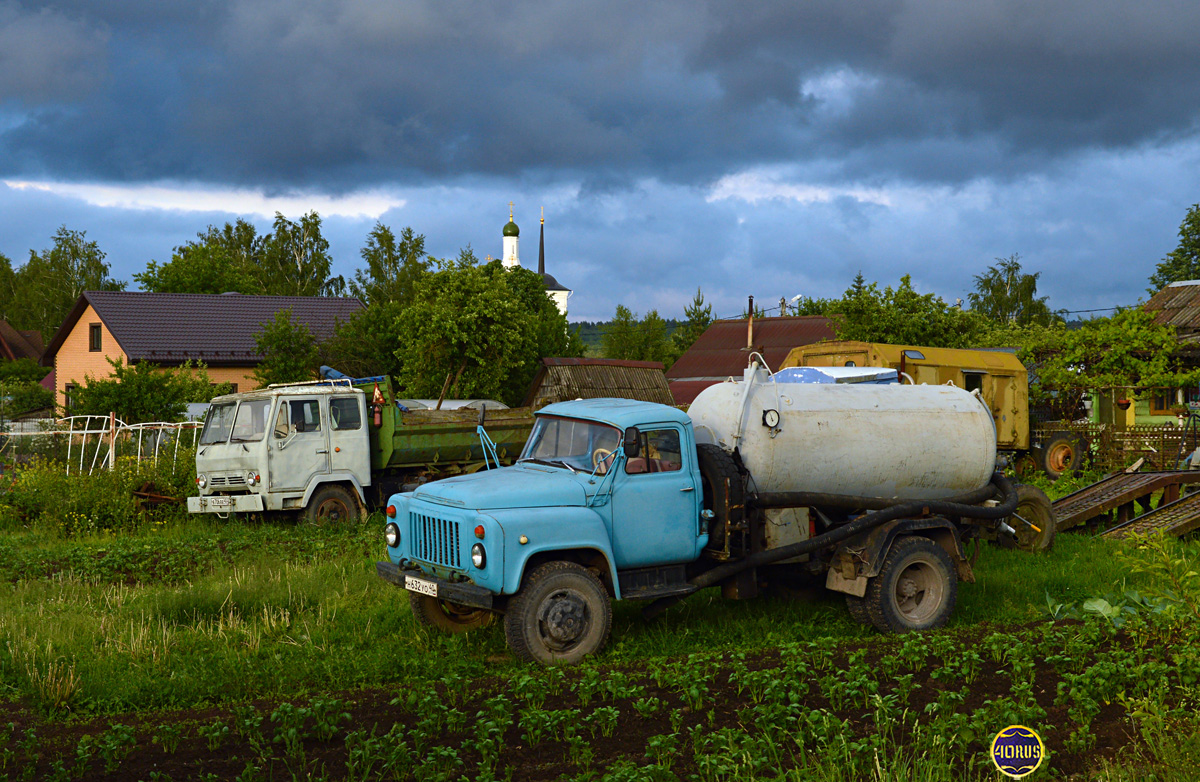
[(440, 441)]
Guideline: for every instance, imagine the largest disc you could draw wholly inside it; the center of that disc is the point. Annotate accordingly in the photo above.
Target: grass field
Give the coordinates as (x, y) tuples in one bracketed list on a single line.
[(177, 631)]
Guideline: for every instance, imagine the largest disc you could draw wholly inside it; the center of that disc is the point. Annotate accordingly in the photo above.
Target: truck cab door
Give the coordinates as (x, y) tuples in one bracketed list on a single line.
[(656, 502), (299, 447), (348, 437)]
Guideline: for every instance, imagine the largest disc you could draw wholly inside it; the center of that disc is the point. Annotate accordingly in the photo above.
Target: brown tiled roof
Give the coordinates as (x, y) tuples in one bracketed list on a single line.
[(1178, 305), (720, 351), (170, 328), (19, 344), (559, 379)]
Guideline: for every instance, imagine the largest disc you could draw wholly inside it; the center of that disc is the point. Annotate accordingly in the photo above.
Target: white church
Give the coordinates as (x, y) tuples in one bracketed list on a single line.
[(511, 259)]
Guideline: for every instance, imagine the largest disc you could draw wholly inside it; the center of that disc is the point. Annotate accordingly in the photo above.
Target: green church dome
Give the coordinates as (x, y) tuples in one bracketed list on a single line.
[(510, 229)]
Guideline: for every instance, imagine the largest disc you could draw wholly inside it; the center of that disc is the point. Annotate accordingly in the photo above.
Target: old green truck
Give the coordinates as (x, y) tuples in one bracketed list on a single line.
[(332, 450)]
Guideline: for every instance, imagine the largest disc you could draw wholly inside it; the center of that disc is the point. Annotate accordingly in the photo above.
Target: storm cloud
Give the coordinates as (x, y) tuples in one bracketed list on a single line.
[(671, 140), (352, 93)]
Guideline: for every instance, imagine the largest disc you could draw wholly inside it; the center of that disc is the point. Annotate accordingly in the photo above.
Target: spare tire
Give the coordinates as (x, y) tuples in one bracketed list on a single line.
[(724, 493), (1061, 454), (1034, 527)]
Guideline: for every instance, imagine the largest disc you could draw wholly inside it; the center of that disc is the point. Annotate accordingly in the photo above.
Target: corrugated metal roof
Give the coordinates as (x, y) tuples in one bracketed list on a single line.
[(19, 344), (1177, 305), (560, 379), (720, 350), (169, 328)]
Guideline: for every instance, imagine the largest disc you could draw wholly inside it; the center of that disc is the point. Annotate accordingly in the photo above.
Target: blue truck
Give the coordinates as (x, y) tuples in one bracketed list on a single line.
[(872, 490)]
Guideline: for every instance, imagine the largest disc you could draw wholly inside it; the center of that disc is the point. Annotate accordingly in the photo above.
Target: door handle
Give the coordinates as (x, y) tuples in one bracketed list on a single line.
[(323, 450), (689, 488)]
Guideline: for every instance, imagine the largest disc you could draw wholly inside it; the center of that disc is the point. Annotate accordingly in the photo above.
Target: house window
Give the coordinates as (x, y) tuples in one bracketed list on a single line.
[(1162, 400), (94, 337), (973, 381), (68, 389)]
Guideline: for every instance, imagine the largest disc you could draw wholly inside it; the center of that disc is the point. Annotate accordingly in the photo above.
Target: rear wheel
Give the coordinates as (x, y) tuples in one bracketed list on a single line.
[(1061, 454), (1033, 520), (723, 492), (561, 614), (916, 587), (447, 617), (332, 504), (858, 609)]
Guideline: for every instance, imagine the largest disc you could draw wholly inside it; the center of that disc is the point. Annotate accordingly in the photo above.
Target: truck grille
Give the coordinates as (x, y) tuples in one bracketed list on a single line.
[(231, 480), (435, 540)]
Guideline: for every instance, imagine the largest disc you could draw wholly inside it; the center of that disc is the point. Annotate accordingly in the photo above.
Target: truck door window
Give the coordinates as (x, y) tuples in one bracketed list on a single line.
[(298, 416), (343, 413), (659, 452)]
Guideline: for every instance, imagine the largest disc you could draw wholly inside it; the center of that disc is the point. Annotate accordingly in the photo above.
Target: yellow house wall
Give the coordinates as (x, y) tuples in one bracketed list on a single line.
[(243, 376), (74, 360)]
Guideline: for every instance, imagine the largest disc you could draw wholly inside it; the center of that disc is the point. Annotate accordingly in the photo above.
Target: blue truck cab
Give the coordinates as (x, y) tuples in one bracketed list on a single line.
[(605, 502)]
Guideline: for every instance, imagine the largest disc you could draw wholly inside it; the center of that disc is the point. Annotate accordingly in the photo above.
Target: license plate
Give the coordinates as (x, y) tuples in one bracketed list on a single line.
[(220, 502), (420, 586)]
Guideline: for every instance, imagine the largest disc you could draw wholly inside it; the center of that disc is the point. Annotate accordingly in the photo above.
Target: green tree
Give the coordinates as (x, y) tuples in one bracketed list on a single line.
[(22, 370), (1182, 263), (20, 388), (393, 266), (144, 391), (897, 316), (7, 282), (698, 318), (51, 281), (1004, 293), (628, 338), (197, 268), (289, 351), (478, 331), (295, 260)]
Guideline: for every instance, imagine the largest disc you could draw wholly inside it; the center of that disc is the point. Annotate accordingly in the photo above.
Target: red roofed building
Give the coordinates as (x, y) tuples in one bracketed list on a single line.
[(721, 351)]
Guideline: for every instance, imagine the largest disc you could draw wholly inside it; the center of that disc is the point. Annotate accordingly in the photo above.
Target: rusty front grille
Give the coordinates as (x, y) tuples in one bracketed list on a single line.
[(435, 540)]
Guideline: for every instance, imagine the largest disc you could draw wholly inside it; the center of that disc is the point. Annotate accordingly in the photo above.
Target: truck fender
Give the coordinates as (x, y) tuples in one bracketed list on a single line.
[(336, 478), (572, 534), (861, 557)]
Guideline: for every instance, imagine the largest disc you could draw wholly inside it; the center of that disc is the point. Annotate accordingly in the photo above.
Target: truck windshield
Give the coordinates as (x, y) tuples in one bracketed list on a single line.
[(572, 443), (251, 422), (218, 424)]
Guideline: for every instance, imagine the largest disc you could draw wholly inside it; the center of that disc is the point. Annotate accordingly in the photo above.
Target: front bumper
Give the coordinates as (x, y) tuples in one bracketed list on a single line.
[(455, 592), (217, 503)]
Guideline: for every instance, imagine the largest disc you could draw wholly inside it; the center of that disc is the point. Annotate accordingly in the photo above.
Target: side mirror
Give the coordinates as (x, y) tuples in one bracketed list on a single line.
[(631, 442)]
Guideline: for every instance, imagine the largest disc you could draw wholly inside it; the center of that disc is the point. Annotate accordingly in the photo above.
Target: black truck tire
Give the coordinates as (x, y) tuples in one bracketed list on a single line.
[(1061, 454), (1034, 507), (715, 467), (561, 614), (916, 587), (331, 505), (447, 617), (857, 606)]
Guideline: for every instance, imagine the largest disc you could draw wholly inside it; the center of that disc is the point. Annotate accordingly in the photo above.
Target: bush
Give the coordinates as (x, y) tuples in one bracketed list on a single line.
[(43, 495)]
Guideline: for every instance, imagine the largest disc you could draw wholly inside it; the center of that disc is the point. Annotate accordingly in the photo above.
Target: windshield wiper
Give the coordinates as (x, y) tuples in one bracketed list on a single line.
[(552, 463)]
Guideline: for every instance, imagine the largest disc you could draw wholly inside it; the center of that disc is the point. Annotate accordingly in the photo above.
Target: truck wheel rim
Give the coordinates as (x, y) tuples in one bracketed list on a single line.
[(1061, 457), (332, 509), (563, 620), (918, 592)]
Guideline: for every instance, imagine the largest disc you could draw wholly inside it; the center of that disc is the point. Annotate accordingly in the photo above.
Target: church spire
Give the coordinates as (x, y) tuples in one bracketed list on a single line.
[(542, 245)]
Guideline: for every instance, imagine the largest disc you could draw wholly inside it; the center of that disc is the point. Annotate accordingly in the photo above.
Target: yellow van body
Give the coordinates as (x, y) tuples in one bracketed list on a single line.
[(999, 376)]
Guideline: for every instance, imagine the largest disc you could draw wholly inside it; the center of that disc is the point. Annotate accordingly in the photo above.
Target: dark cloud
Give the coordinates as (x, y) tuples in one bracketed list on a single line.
[(337, 95), (47, 56)]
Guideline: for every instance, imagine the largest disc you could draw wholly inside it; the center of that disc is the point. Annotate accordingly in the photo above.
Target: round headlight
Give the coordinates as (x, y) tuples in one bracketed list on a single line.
[(202, 481), (478, 556), (251, 477), (391, 533)]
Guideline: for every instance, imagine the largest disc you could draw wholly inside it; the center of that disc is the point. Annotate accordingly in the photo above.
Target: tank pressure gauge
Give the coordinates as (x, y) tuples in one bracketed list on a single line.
[(771, 418)]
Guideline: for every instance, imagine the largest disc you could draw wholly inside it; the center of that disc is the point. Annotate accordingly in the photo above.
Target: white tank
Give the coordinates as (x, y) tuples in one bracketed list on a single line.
[(900, 441)]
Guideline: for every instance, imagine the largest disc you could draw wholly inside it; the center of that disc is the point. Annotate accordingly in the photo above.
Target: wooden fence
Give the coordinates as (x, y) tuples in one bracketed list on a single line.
[(1110, 448)]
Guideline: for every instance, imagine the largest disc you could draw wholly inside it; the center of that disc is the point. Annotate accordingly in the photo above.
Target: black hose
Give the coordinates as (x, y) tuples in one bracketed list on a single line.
[(903, 508), (808, 499)]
